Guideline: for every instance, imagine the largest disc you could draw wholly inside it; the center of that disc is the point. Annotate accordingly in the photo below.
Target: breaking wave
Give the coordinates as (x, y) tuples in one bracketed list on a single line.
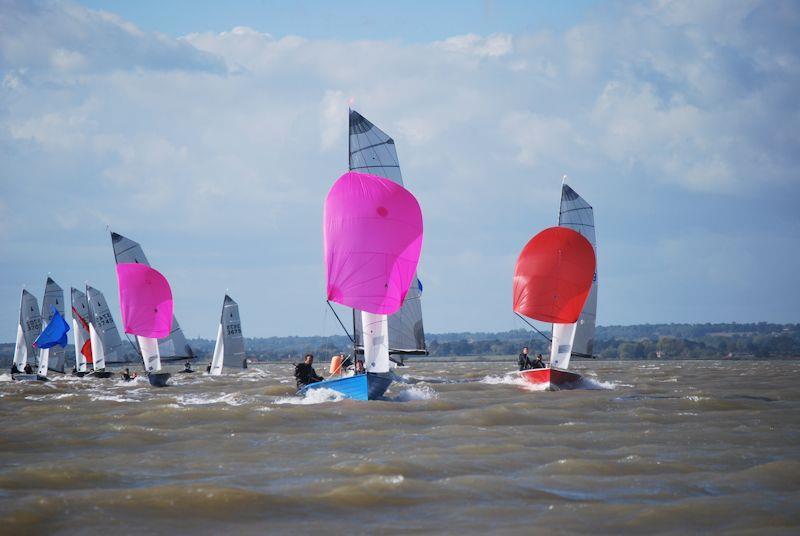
[(312, 396), (422, 392)]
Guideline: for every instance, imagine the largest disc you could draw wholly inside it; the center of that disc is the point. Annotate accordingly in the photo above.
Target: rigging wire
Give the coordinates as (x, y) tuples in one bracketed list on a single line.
[(340, 322)]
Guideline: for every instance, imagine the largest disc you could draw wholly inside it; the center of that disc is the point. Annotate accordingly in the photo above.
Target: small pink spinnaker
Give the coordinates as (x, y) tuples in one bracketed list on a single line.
[(372, 229), (145, 299)]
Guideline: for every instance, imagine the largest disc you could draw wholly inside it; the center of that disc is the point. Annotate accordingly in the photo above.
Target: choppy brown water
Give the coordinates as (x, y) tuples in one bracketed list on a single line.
[(645, 447)]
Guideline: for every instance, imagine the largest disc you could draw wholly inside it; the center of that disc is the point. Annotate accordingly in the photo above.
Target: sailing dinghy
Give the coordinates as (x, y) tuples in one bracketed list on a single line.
[(552, 280), (372, 151), (172, 347), (28, 328), (54, 334), (145, 299), (51, 358), (80, 330), (229, 348), (372, 241)]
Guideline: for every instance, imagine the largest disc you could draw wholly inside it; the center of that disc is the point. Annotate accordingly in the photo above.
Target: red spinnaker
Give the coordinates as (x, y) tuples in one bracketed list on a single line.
[(553, 276)]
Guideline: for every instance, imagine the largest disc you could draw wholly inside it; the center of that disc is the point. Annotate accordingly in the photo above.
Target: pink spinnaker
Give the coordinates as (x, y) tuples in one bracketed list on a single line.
[(372, 229), (145, 299)]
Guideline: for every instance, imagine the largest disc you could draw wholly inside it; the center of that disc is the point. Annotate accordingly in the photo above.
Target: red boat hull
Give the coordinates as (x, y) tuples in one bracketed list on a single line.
[(552, 377)]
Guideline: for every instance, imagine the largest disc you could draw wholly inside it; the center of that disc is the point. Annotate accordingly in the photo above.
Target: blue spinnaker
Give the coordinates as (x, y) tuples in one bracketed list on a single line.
[(55, 333)]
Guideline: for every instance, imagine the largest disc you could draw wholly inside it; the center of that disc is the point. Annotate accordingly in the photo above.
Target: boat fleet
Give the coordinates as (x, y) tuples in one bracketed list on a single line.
[(373, 234)]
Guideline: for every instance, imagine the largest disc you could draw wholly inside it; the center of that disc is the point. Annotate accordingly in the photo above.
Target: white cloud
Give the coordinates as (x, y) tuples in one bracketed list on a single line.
[(493, 46)]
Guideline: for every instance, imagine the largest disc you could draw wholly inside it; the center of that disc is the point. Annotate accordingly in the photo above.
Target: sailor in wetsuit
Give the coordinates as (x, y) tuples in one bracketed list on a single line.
[(28, 368), (305, 374), (14, 369), (524, 361), (538, 363)]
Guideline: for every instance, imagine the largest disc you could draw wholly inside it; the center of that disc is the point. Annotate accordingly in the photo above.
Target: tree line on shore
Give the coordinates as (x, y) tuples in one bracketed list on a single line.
[(643, 341)]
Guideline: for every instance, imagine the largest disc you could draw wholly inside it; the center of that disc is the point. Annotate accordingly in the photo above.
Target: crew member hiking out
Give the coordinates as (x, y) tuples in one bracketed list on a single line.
[(524, 361), (305, 374), (538, 363)]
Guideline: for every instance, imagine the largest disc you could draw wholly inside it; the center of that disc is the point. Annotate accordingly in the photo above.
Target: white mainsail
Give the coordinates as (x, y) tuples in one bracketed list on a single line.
[(576, 214), (52, 358), (229, 349), (561, 345), (149, 348), (372, 151), (376, 342), (219, 354), (98, 350), (29, 327), (80, 328), (129, 251), (20, 349)]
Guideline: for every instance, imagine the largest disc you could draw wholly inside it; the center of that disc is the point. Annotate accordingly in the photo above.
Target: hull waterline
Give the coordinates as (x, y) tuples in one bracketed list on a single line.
[(551, 378), (29, 378), (159, 379), (368, 386)]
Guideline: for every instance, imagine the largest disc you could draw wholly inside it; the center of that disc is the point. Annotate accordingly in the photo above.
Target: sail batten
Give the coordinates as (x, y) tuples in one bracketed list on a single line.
[(373, 151)]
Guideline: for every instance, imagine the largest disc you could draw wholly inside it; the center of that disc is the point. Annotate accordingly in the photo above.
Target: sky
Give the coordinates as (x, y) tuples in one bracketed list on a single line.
[(211, 134)]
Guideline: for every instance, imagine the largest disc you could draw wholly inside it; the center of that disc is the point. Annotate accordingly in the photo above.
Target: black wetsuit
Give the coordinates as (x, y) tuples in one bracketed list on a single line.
[(126, 376), (28, 369), (14, 369), (538, 364), (305, 374), (524, 362)]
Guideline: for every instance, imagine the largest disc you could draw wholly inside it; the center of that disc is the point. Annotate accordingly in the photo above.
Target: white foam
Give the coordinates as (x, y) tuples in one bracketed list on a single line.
[(6, 377), (418, 392), (138, 380), (112, 398), (230, 399), (312, 396), (513, 378), (595, 384), (49, 397)]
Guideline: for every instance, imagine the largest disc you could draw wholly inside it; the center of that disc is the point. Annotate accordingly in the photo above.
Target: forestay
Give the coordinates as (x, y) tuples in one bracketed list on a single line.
[(576, 214), (372, 151), (129, 251)]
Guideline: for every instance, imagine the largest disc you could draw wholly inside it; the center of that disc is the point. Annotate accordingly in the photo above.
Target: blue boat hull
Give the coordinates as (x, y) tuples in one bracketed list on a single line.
[(368, 386)]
